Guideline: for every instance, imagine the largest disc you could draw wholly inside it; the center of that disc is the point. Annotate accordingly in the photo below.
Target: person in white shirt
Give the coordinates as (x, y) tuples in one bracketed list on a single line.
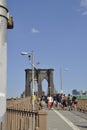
[(50, 101)]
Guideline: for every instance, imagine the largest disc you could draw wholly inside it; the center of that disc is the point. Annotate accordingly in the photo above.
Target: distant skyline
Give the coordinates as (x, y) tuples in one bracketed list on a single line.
[(56, 30)]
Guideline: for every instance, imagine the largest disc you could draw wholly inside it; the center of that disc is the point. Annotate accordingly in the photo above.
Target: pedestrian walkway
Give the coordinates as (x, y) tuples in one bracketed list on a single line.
[(66, 120)]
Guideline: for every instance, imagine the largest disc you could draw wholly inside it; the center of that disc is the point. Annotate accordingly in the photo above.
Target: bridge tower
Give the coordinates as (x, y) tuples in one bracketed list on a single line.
[(39, 75)]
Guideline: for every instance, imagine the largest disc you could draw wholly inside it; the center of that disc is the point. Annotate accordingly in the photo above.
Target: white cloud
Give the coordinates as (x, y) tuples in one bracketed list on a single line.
[(34, 30), (83, 5), (84, 13)]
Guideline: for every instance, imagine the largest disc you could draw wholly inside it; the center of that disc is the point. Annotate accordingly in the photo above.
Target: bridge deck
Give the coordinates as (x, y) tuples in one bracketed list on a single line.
[(66, 120)]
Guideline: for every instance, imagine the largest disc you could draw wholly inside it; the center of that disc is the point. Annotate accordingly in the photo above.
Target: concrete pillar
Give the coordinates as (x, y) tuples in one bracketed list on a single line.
[(5, 23), (42, 119), (3, 60)]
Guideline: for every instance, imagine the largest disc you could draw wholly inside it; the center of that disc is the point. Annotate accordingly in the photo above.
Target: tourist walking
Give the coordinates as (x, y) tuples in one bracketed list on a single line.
[(59, 99), (50, 101), (75, 102), (64, 101), (69, 102)]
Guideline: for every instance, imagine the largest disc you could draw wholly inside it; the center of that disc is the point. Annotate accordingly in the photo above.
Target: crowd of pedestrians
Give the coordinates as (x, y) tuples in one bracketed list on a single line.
[(60, 101)]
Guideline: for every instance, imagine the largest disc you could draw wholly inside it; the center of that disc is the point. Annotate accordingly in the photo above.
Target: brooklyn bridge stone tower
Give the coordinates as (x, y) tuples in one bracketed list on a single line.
[(39, 76)]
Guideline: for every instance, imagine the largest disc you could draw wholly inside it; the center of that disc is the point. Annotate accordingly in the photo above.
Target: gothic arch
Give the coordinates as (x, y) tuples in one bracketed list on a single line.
[(39, 75)]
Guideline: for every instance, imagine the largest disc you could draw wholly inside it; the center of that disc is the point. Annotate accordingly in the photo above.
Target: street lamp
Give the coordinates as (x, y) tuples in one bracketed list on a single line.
[(31, 57), (61, 87)]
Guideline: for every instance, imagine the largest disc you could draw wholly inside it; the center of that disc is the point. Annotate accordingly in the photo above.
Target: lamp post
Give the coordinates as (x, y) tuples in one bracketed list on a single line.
[(31, 56), (61, 88), (61, 82)]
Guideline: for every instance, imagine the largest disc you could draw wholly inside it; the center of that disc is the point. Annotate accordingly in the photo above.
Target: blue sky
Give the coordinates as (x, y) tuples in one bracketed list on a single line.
[(56, 30)]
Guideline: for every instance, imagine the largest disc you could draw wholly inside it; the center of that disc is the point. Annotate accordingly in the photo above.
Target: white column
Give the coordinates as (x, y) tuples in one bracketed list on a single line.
[(3, 59)]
